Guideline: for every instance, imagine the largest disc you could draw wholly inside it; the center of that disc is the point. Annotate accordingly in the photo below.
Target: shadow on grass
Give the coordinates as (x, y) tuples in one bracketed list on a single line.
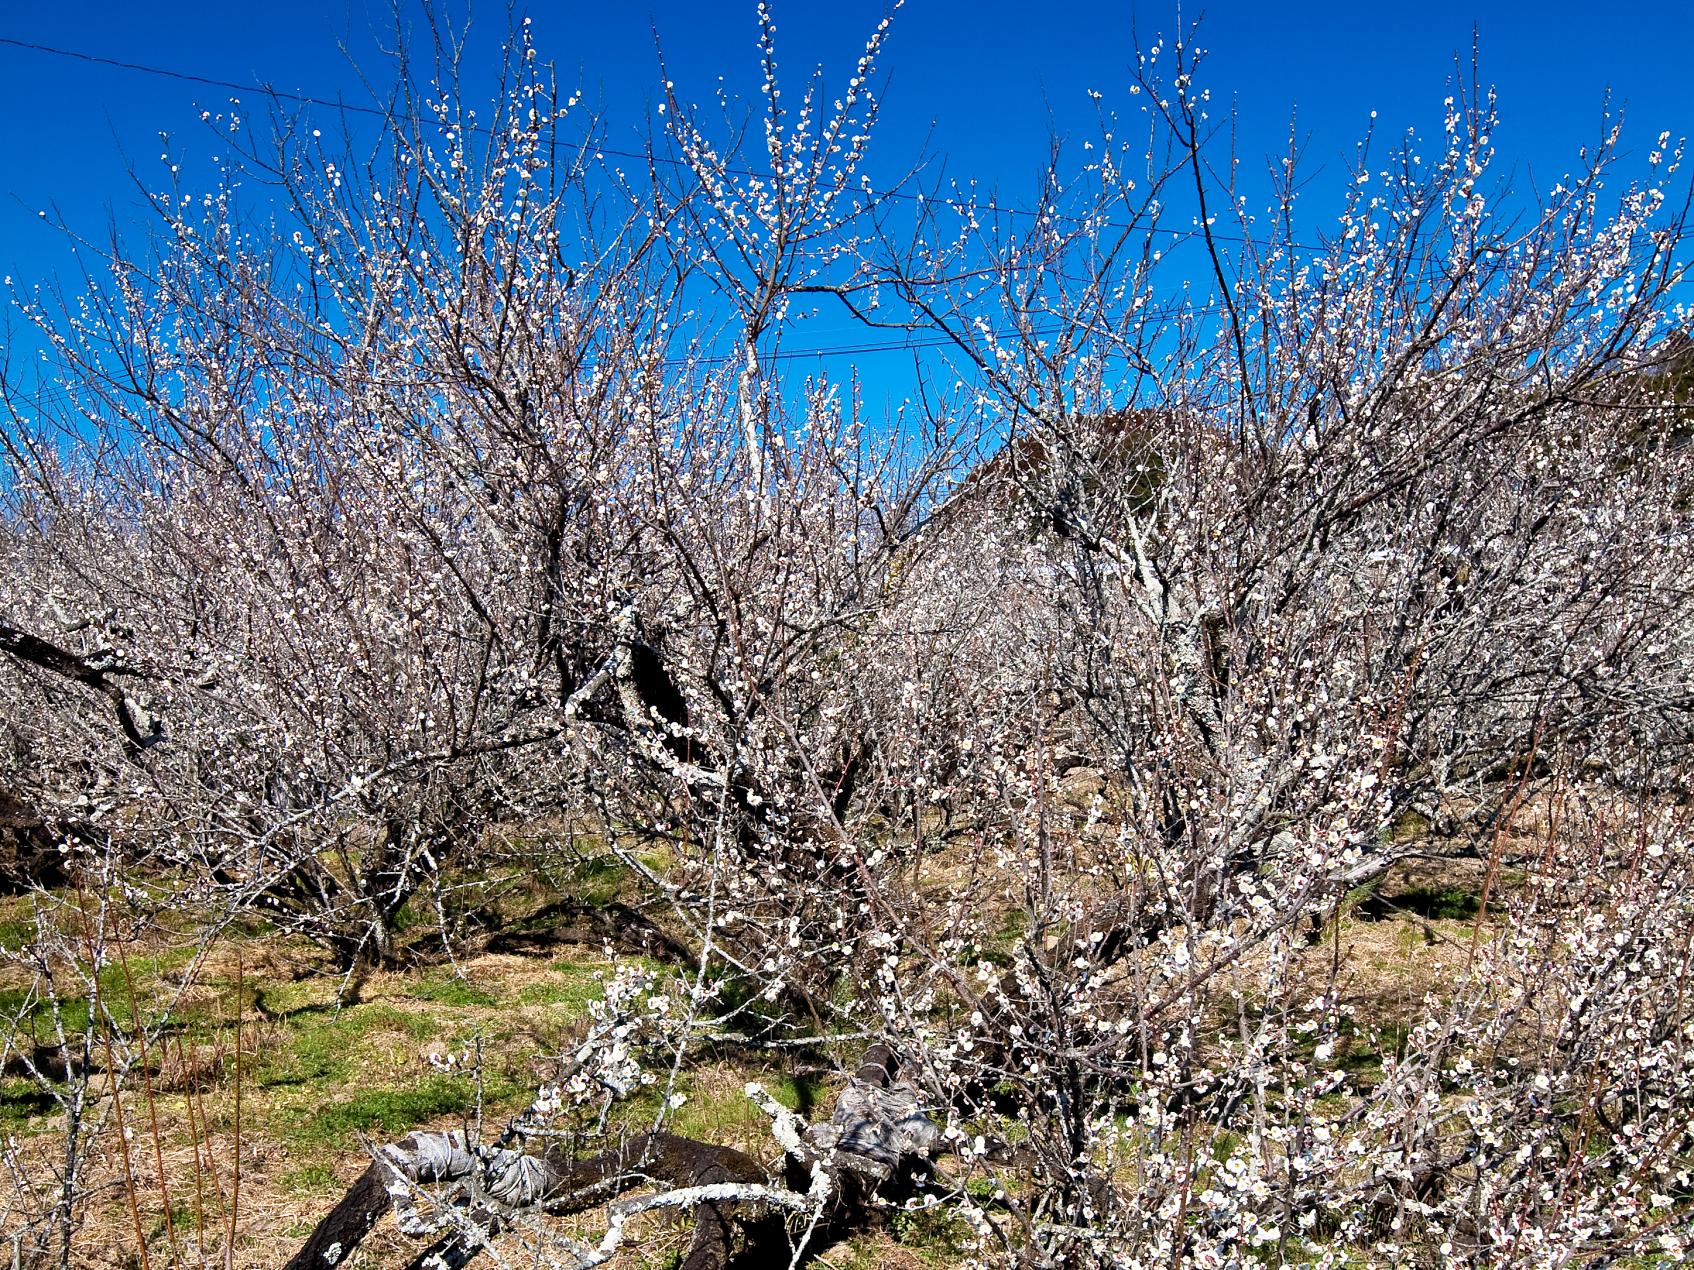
[(1432, 903)]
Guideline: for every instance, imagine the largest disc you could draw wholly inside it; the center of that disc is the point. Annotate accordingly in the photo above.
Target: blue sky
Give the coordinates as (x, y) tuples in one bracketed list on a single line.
[(979, 85)]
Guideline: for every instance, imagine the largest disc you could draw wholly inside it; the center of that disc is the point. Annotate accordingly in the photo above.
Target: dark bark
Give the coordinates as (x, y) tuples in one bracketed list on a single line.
[(877, 1142), (29, 847), (571, 1186), (44, 655), (348, 1222)]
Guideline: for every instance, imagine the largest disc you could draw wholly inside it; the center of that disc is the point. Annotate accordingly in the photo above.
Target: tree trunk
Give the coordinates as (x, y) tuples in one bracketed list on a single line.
[(876, 1143)]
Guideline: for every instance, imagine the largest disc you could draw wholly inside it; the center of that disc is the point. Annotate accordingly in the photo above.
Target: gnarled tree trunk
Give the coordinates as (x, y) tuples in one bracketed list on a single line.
[(877, 1143)]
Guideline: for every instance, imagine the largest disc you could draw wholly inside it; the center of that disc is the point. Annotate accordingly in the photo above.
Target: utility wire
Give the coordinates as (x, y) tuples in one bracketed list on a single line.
[(793, 354), (185, 76), (306, 99)]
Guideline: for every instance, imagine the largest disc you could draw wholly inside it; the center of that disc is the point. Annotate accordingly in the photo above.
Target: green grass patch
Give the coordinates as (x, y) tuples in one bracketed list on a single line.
[(145, 968), (15, 932), (386, 1111), (936, 1235), (1437, 903), (570, 985), (450, 990), (798, 1093), (31, 1014), (1225, 1143), (1365, 1048), (182, 1219), (292, 996), (322, 1044), (597, 880), (313, 1179), (21, 1100)]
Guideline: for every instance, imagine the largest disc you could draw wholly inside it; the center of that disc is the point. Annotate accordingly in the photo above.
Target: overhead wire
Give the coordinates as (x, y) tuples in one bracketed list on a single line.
[(308, 99), (601, 150)]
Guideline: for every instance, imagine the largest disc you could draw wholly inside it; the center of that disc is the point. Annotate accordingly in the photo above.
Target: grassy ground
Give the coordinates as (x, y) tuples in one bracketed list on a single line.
[(272, 1050), (275, 1059)]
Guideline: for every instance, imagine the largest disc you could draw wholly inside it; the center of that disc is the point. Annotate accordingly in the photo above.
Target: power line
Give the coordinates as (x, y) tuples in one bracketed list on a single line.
[(184, 76), (785, 355), (306, 99)]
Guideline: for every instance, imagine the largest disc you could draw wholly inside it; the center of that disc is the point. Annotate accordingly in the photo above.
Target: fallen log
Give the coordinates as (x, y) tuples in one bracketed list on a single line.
[(877, 1146)]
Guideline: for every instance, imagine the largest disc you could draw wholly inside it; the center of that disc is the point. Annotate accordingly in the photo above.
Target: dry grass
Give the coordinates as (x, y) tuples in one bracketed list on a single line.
[(327, 1068), (320, 1080)]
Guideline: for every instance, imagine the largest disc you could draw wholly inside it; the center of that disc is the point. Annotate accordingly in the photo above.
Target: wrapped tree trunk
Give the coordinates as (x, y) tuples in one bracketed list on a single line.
[(877, 1144)]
